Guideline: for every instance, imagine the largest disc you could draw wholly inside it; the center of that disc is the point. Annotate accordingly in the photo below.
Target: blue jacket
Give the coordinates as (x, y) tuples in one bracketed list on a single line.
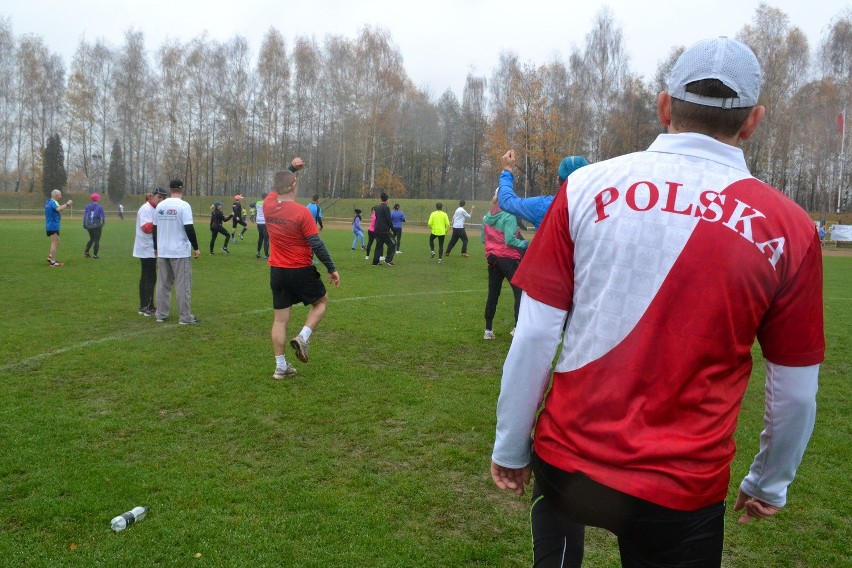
[(530, 208), (397, 218)]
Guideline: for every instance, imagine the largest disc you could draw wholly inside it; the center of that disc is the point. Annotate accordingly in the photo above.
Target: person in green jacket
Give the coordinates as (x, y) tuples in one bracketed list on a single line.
[(439, 224), (504, 248)]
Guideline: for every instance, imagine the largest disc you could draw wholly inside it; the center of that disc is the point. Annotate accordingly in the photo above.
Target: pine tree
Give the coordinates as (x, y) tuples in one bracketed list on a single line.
[(54, 175), (117, 177)]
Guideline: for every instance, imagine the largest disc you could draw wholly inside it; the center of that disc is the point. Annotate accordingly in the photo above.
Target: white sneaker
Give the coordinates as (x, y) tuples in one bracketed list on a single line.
[(367, 257), (280, 373), (489, 334), (440, 261), (381, 259), (399, 252), (433, 254)]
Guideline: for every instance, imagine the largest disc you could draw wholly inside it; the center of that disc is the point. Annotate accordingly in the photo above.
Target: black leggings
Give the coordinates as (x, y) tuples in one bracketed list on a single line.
[(371, 238), (147, 282), (498, 269), (440, 244), (215, 232), (649, 535), (262, 239), (397, 237), (94, 239)]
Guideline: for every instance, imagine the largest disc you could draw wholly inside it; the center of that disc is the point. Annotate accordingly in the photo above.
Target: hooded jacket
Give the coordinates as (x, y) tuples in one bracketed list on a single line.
[(500, 235)]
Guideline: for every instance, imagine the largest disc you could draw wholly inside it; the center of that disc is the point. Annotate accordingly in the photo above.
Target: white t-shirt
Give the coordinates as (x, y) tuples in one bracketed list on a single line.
[(260, 218), (143, 246), (171, 216), (458, 218)]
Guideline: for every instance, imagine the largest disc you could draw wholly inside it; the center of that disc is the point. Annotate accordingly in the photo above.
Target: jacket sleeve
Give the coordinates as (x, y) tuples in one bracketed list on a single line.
[(531, 208), (788, 423), (510, 230), (526, 375)]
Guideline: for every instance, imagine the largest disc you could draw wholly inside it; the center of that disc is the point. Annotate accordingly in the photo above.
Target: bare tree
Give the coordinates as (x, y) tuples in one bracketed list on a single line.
[(9, 104)]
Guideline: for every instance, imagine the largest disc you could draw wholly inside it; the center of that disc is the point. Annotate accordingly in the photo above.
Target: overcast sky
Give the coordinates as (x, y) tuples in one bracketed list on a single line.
[(441, 41)]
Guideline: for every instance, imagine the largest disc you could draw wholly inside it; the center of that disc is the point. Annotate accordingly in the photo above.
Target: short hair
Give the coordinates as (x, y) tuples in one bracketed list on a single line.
[(712, 121), (439, 205), (383, 197), (315, 197), (284, 181), (461, 203), (396, 206), (176, 185), (55, 193)]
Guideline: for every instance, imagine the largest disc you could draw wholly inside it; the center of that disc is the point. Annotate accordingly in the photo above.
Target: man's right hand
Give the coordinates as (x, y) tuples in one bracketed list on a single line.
[(297, 163), (334, 278), (508, 160)]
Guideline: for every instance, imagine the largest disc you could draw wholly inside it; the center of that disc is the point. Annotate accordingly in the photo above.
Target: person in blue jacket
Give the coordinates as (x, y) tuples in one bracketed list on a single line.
[(94, 219), (530, 208)]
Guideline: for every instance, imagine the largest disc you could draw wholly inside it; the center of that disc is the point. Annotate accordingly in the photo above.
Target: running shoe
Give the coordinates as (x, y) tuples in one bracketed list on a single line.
[(280, 373), (301, 348)]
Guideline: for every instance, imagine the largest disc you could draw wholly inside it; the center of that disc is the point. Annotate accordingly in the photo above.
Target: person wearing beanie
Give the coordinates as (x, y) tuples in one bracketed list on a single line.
[(94, 220), (531, 208), (656, 272), (217, 221)]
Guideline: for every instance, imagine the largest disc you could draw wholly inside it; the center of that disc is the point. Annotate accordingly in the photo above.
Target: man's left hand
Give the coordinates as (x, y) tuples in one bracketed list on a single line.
[(754, 508), (334, 278)]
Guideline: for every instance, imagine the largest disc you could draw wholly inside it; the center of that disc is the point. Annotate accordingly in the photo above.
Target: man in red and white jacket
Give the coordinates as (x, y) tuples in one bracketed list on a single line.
[(663, 267)]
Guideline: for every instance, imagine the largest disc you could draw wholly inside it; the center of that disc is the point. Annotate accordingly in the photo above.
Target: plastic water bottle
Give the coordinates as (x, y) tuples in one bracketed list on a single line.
[(121, 522)]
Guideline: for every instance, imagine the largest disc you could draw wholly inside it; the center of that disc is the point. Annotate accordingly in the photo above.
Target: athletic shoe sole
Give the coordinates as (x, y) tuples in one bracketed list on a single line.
[(301, 349)]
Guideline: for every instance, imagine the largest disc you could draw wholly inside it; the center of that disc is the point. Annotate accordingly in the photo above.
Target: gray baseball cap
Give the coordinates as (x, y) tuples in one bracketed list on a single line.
[(730, 61)]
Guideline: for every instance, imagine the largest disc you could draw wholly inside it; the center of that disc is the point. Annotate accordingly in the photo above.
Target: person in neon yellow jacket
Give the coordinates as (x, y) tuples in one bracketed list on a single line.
[(439, 224)]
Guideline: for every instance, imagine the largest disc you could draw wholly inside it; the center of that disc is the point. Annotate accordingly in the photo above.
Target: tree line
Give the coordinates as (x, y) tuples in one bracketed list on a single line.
[(209, 112)]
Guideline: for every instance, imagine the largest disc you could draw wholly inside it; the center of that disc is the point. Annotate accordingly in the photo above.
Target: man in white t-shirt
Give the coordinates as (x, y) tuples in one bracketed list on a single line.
[(143, 249), (174, 238), (458, 229)]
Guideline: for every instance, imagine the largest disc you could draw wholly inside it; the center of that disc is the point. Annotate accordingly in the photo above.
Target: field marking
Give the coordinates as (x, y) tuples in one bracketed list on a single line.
[(162, 328)]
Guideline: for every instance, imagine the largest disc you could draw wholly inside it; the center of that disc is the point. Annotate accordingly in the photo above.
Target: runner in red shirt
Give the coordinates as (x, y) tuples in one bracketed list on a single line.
[(293, 239)]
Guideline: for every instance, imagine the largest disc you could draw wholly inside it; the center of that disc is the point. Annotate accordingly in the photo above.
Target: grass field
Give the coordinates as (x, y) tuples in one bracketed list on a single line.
[(375, 455)]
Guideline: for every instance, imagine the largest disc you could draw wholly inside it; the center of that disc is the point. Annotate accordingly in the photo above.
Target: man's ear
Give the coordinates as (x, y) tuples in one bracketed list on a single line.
[(664, 108), (754, 119)]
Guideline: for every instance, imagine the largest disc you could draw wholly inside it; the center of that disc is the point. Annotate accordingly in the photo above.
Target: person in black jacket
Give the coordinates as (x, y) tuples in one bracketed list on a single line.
[(238, 218), (217, 219), (384, 232)]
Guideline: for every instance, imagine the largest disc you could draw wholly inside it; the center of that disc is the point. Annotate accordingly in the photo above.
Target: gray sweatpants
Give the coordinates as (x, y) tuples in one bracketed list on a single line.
[(175, 272)]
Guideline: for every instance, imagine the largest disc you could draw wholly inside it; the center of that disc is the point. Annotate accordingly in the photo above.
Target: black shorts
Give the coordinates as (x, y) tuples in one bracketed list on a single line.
[(291, 285), (52, 233)]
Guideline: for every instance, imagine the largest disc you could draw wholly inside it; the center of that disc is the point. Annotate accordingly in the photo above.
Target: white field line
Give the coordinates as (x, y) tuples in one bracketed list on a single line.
[(160, 328)]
